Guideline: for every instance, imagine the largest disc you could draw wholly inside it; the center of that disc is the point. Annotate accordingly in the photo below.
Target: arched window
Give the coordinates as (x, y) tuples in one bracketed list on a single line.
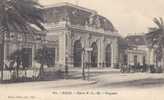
[(94, 55), (108, 54), (125, 61)]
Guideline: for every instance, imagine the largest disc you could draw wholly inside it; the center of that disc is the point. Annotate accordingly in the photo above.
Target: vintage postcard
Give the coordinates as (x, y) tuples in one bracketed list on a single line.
[(81, 49)]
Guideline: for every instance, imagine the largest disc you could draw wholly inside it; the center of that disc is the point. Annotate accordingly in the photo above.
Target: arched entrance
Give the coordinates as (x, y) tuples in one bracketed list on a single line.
[(77, 53), (108, 54), (94, 55)]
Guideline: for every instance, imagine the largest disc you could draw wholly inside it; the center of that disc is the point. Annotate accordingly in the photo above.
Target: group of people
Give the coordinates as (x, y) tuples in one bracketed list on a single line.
[(133, 68), (14, 63), (140, 68)]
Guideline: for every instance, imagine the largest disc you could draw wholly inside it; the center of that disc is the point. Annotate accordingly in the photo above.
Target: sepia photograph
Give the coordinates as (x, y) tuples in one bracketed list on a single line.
[(81, 49)]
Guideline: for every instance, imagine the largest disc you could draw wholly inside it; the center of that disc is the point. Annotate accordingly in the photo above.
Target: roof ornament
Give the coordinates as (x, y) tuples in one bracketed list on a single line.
[(86, 23), (91, 19), (74, 12), (98, 23)]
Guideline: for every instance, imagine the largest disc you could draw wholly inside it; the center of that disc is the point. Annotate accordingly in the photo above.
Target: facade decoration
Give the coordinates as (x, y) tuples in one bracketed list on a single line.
[(86, 29)]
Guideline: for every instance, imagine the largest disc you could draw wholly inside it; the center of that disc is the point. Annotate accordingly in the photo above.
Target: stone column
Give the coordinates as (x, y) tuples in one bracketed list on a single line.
[(87, 45), (114, 53), (103, 57), (56, 54), (62, 48), (69, 48), (151, 56), (5, 52), (162, 60), (100, 53), (33, 55)]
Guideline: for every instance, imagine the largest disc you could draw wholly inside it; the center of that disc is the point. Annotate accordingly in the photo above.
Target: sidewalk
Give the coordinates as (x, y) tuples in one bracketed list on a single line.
[(96, 69), (44, 85)]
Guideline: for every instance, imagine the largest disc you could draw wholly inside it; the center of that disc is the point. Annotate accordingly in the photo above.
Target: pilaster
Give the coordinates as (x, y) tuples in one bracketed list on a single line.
[(114, 53), (62, 48)]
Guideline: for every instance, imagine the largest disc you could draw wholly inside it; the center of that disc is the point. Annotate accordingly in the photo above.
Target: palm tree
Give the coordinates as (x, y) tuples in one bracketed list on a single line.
[(155, 38), (18, 16)]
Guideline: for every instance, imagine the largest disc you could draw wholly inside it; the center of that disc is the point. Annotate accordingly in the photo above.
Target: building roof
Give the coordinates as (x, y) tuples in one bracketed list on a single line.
[(70, 5), (29, 30), (135, 40), (76, 15), (123, 44)]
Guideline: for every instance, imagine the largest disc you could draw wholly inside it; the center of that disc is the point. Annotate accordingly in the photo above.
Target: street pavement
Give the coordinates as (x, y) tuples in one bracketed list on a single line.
[(118, 86)]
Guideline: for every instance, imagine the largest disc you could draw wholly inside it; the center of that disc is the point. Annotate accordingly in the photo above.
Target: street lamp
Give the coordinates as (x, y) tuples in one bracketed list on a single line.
[(42, 53), (66, 64), (89, 50), (83, 66)]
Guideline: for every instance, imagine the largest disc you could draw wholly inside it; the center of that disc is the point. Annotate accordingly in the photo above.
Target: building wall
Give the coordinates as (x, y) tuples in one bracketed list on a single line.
[(139, 53), (68, 38), (71, 24)]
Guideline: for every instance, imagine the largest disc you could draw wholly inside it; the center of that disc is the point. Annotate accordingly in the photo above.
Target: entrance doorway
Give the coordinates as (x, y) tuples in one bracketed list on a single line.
[(108, 55), (94, 55), (77, 53)]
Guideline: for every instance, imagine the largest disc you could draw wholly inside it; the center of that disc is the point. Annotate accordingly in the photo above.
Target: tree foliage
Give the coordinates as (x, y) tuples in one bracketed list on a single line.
[(20, 16), (155, 37)]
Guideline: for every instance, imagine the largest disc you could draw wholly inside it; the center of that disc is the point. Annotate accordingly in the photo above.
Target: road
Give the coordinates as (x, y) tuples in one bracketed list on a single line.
[(101, 84)]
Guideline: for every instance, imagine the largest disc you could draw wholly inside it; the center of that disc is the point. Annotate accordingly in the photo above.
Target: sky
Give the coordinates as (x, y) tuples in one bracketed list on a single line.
[(128, 16)]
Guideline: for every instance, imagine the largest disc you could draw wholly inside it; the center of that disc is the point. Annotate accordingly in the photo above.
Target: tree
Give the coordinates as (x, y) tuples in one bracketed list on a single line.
[(18, 16), (155, 38)]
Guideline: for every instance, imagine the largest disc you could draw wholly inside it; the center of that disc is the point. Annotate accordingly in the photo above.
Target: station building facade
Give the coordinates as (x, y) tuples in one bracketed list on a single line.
[(83, 36)]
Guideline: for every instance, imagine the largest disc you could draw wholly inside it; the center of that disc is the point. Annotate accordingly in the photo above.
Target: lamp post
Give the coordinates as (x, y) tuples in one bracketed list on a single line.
[(83, 65), (41, 55), (66, 65), (89, 50)]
